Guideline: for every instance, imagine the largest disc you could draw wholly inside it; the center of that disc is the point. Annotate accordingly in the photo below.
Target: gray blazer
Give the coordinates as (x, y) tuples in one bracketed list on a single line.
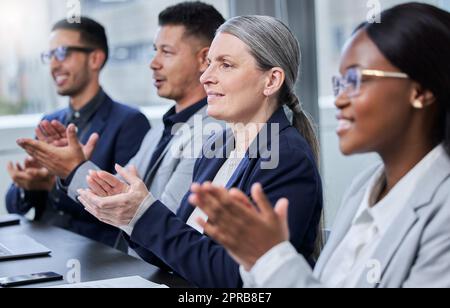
[(415, 251), (171, 178)]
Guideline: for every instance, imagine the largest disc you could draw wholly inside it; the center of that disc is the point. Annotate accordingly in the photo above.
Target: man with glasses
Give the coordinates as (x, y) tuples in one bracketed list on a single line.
[(109, 132)]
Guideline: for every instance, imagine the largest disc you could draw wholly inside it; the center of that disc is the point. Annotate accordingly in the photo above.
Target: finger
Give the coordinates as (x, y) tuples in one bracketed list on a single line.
[(88, 207), (41, 159), (105, 203), (90, 145), (95, 188), (219, 192), (99, 185), (107, 177), (213, 208), (90, 198), (242, 198), (133, 170), (72, 137), (195, 188), (99, 213), (39, 134), (30, 162), (236, 209), (213, 231), (11, 169), (129, 176), (59, 128), (38, 173), (23, 177), (42, 126), (104, 215), (225, 201), (50, 131), (281, 209), (32, 146), (19, 167), (63, 142), (261, 200)]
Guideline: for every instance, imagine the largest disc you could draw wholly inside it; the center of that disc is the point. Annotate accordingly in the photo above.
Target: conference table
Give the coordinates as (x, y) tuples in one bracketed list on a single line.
[(97, 261)]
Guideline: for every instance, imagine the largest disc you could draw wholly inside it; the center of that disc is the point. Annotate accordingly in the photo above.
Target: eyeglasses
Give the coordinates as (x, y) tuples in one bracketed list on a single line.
[(62, 52), (350, 83)]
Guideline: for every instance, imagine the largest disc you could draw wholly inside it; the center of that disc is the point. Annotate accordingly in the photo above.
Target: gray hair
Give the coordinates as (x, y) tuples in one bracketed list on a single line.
[(273, 44)]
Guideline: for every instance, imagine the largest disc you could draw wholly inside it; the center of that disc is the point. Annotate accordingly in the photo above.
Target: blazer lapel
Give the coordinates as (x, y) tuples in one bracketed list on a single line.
[(394, 237), (176, 141), (390, 244), (238, 174)]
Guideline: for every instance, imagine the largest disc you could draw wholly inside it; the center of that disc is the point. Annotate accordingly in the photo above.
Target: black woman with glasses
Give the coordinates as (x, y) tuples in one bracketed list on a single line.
[(393, 229), (109, 132)]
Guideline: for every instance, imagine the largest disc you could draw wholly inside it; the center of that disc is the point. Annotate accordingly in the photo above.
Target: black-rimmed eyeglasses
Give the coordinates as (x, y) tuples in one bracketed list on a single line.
[(62, 52)]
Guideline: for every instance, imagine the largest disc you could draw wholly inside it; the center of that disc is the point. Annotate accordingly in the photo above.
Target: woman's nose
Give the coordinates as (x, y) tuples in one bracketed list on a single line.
[(342, 101), (207, 77)]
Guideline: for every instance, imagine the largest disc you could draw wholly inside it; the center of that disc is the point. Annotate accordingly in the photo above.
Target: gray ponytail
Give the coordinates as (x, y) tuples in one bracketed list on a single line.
[(304, 123)]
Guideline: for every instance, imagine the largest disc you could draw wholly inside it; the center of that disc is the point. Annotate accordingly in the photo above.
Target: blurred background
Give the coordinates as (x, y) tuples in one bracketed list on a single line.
[(27, 91)]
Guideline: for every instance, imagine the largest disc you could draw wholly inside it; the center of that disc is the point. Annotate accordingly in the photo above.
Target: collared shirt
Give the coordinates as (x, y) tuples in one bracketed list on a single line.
[(170, 119), (82, 118), (350, 260)]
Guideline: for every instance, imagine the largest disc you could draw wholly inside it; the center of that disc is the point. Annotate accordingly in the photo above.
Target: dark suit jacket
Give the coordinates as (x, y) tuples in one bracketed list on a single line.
[(121, 129), (199, 259)]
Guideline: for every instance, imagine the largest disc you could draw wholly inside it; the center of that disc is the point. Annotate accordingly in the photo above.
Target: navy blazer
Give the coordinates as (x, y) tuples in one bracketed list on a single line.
[(121, 129), (199, 259)]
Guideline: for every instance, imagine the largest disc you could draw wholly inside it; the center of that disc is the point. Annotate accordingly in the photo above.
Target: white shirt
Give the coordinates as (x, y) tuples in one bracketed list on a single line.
[(350, 260), (221, 179)]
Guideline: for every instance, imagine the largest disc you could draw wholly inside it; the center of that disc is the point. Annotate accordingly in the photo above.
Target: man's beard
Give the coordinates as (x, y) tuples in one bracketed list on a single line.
[(75, 89)]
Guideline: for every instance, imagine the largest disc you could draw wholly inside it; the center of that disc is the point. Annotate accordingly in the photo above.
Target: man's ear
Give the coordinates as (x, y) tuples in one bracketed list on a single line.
[(202, 57), (275, 78), (97, 59), (422, 95)]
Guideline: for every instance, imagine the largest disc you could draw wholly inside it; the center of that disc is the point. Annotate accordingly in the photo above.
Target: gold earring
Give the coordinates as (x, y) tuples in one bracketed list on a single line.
[(417, 104)]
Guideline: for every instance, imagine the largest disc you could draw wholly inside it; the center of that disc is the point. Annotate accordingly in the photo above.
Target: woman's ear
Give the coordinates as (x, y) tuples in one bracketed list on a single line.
[(274, 81), (202, 57), (422, 98)]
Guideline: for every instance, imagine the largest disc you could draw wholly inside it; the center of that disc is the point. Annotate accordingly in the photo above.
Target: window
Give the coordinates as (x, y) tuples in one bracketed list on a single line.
[(25, 84), (336, 21)]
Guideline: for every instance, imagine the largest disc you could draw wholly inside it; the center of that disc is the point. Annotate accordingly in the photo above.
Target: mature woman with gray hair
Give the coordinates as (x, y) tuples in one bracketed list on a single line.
[(253, 67)]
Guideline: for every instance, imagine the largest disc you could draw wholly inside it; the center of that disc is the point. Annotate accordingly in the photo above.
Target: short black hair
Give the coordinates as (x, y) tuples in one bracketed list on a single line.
[(200, 19), (415, 37), (91, 32)]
